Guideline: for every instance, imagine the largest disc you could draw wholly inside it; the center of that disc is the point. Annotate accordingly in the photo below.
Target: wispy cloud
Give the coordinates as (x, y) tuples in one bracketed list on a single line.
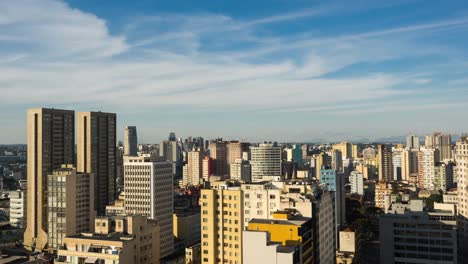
[(213, 62)]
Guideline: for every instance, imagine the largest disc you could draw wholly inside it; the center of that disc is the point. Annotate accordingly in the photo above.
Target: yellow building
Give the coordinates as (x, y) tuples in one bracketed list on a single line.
[(381, 189), (349, 150), (132, 239), (322, 159), (289, 229), (221, 224)]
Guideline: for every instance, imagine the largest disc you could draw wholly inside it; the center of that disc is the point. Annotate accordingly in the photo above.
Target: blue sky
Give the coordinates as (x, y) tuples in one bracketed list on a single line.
[(257, 70)]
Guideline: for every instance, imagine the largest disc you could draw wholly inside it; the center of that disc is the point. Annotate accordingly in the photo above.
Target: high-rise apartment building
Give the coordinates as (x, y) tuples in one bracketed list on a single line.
[(260, 201), (241, 170), (207, 168), (219, 154), (412, 141), (356, 180), (443, 176), (149, 192), (385, 163), (266, 162), (397, 166), (194, 167), (96, 154), (427, 159), (461, 157), (324, 237), (337, 161), (335, 183), (409, 165), (222, 223), (70, 204), (441, 142), (130, 141), (170, 151), (51, 143), (323, 159), (346, 149), (234, 152)]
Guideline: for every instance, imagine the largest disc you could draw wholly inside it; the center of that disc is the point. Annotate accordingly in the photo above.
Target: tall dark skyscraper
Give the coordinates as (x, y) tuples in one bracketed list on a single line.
[(131, 141), (385, 162), (172, 137), (97, 154), (51, 143)]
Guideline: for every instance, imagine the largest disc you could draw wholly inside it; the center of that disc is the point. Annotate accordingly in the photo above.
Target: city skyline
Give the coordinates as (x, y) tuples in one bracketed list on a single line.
[(290, 71)]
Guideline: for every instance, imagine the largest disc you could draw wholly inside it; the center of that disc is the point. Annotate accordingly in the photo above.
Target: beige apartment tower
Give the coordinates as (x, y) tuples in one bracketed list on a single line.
[(461, 157), (51, 143), (96, 154), (149, 192), (222, 221)]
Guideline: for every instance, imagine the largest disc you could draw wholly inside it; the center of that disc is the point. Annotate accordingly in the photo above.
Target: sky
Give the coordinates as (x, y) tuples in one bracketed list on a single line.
[(284, 70)]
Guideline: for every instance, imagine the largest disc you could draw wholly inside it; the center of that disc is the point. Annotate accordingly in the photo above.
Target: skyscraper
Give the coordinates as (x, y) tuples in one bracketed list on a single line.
[(96, 154), (194, 167), (265, 162), (461, 157), (130, 141), (441, 142), (51, 143), (207, 168), (234, 152), (385, 163), (427, 159), (170, 151), (412, 141), (218, 152), (149, 191)]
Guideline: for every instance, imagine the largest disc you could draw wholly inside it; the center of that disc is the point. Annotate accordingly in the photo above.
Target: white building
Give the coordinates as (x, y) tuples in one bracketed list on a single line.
[(266, 162), (258, 248), (18, 208), (149, 191), (427, 160), (260, 201), (356, 180), (461, 158)]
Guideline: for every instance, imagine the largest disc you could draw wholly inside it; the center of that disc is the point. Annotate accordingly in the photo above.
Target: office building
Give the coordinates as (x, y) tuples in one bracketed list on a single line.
[(289, 229), (324, 236), (130, 141), (335, 183), (222, 224), (441, 142), (412, 141), (51, 143), (96, 154), (117, 239), (18, 212), (385, 163), (294, 154), (461, 157), (259, 248), (356, 180), (70, 205), (219, 154), (266, 162), (419, 236), (427, 159), (241, 170), (149, 192)]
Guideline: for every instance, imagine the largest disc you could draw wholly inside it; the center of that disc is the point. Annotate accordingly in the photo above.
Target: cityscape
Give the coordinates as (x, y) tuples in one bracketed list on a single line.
[(202, 132)]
